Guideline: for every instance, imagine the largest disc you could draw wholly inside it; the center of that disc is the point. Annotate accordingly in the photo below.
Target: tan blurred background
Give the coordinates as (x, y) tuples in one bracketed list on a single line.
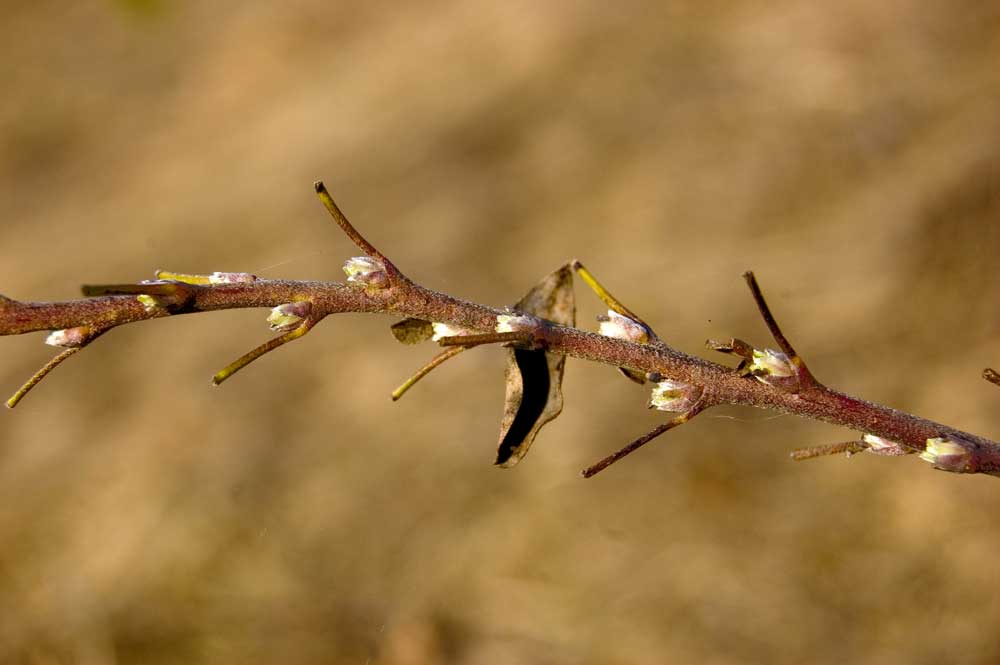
[(849, 153)]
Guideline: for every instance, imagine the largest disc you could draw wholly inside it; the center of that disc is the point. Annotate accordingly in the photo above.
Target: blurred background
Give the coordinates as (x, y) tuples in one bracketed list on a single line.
[(848, 152)]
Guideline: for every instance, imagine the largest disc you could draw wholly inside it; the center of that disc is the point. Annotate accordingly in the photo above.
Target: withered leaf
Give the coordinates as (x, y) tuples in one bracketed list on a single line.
[(412, 331), (534, 377)]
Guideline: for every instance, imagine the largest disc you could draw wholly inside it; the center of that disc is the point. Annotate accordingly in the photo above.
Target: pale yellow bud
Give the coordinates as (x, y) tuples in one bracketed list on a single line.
[(289, 316), (947, 454), (366, 271)]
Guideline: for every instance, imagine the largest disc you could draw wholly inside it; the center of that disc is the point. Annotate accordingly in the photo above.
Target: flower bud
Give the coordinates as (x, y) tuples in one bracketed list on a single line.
[(442, 330), (947, 454), (674, 396), (68, 337), (771, 363), (289, 316), (773, 368), (513, 323), (878, 445), (366, 271), (231, 278), (622, 327)]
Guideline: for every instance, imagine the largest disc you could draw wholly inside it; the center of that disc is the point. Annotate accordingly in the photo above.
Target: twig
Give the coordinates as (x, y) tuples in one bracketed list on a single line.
[(469, 341), (848, 447), (766, 379)]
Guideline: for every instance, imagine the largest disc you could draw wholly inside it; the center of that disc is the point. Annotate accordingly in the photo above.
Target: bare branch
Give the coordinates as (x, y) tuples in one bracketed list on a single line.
[(766, 379)]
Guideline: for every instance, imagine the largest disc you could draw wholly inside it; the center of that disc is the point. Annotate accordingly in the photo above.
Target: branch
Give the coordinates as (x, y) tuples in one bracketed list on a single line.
[(541, 323)]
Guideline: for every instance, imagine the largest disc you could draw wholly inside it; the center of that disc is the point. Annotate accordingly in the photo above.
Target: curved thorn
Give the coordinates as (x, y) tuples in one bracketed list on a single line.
[(775, 329), (353, 233), (437, 360), (594, 469), (266, 347), (39, 375)]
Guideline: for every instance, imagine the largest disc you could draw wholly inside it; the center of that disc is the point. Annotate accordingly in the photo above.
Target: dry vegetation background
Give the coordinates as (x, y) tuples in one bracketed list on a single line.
[(849, 152)]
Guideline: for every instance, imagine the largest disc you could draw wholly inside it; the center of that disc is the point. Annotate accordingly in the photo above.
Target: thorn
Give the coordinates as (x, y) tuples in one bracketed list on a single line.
[(734, 346), (849, 447), (39, 375), (469, 341), (391, 271), (266, 347), (594, 469), (437, 360), (167, 289), (805, 376)]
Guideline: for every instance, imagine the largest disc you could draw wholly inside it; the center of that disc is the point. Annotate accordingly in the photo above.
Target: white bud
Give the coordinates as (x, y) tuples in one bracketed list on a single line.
[(231, 278), (946, 454), (771, 363), (68, 337), (366, 271), (674, 396), (289, 316), (442, 330), (881, 446), (513, 323), (622, 327)]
